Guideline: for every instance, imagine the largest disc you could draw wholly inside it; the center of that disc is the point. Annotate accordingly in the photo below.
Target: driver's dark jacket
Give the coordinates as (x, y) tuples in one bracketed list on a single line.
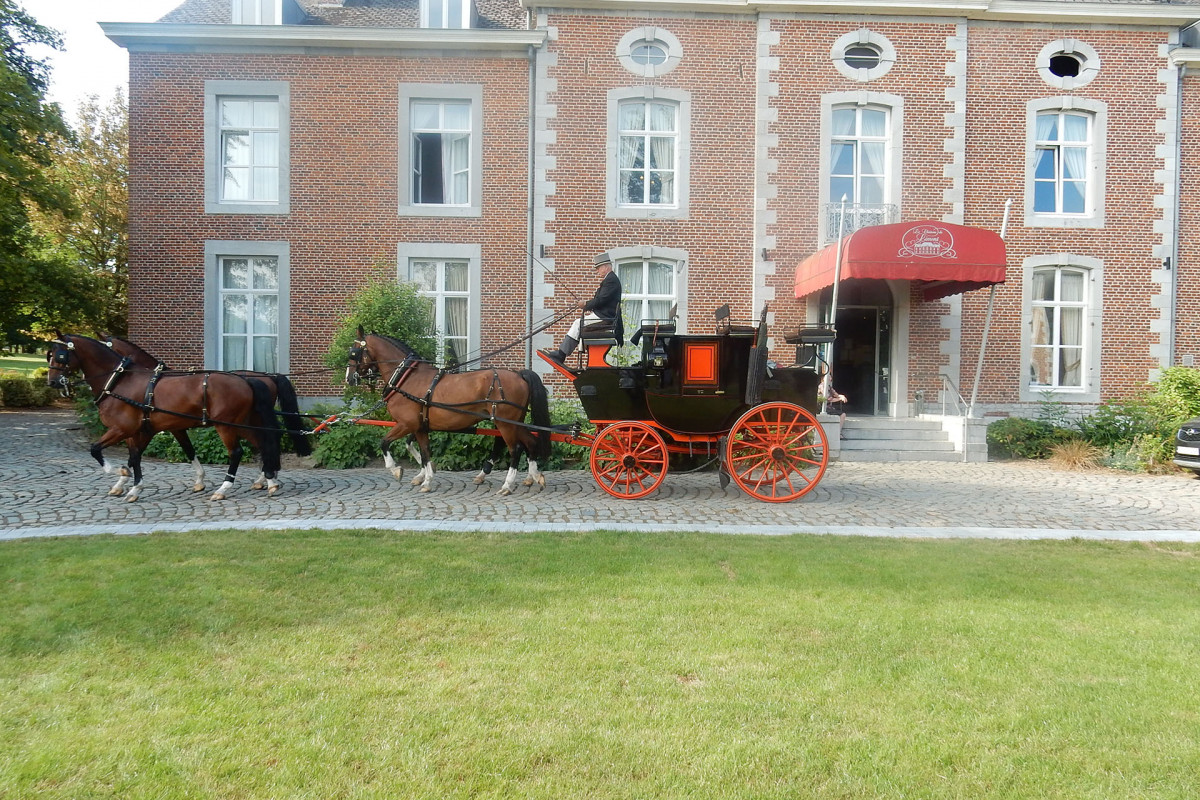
[(606, 304)]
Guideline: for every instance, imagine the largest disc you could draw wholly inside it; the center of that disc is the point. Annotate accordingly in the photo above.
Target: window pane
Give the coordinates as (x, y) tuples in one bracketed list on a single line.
[(265, 273), (454, 13), (658, 309), (425, 116), (1043, 286), (1044, 164), (266, 314), (1071, 320), (265, 145), (233, 352), (842, 161), (1070, 366), (871, 160), (874, 123), (631, 155), (662, 187), (457, 276), (1075, 128), (234, 313), (424, 275), (1047, 127), (662, 117), (1042, 326), (1044, 197), (662, 278), (455, 323), (872, 190), (1074, 162), (632, 188), (1041, 366), (235, 273), (266, 183), (266, 114), (1072, 287), (265, 358), (630, 273), (236, 114), (235, 148), (648, 54), (662, 153), (1073, 198), (839, 187), (458, 117), (843, 122), (633, 117)]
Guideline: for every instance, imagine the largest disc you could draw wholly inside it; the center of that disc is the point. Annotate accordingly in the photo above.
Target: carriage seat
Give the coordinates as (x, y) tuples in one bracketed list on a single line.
[(598, 338), (727, 325)]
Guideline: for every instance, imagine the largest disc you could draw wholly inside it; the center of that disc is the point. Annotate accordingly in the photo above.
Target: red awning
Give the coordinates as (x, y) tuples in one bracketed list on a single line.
[(944, 259)]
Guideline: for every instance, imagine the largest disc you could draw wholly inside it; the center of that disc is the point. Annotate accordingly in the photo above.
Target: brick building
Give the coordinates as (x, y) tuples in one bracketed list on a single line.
[(491, 152)]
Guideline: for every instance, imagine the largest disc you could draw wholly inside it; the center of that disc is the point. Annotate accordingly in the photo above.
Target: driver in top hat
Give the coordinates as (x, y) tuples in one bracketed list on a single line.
[(605, 306)]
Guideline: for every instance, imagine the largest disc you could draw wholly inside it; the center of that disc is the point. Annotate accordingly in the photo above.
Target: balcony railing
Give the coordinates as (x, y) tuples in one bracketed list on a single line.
[(857, 215)]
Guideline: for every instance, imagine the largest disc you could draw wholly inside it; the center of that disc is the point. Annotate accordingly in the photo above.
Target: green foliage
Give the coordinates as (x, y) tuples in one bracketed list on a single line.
[(346, 445), (1115, 424), (20, 391), (1053, 411), (1176, 396), (386, 307), (1018, 437)]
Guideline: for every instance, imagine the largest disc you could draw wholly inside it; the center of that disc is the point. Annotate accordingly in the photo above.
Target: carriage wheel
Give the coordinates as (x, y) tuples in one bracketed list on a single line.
[(776, 452), (629, 459)]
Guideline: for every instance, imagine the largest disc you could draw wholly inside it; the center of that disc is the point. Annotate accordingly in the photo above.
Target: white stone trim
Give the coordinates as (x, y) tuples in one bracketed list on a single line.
[(214, 250), (472, 253), (680, 209), (766, 168), (657, 35), (472, 92), (1098, 168), (887, 55), (213, 91), (1089, 66), (1092, 327)]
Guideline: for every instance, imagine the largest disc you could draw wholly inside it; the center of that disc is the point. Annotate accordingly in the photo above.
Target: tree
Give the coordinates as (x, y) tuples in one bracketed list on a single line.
[(28, 127), (92, 242)]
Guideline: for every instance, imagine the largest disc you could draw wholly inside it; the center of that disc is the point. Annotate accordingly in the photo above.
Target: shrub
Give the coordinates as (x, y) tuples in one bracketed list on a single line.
[(20, 391), (1018, 437), (1115, 425), (1075, 455), (386, 307)]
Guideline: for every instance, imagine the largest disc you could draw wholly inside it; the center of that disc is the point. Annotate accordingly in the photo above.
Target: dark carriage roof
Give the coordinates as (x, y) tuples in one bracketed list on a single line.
[(493, 14)]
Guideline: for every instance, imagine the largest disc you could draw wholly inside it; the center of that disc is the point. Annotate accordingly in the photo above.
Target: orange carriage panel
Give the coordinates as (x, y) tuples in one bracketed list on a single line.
[(700, 367)]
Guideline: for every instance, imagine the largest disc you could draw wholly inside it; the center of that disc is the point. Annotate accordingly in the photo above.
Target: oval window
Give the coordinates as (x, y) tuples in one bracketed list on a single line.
[(1065, 65), (649, 53), (862, 56)]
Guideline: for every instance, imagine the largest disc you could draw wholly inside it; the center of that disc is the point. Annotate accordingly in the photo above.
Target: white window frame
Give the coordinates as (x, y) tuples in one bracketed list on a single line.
[(255, 7), (466, 11), (1093, 216), (440, 93), (1090, 335), (669, 255), (682, 100), (214, 93), (894, 150), (215, 252), (472, 254)]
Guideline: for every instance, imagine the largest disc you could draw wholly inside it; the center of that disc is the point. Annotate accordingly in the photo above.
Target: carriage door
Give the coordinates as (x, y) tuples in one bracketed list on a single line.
[(862, 368)]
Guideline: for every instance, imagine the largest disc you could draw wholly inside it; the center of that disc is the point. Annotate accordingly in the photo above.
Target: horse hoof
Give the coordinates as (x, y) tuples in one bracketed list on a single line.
[(504, 492), (541, 480), (198, 487), (259, 486), (271, 491), (124, 472), (132, 498), (424, 489), (397, 472), (217, 496), (415, 481), (115, 492), (479, 480), (527, 482)]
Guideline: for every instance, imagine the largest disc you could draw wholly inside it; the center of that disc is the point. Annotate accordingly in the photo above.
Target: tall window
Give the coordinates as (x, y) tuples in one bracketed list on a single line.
[(647, 290), (1059, 300), (441, 152), (249, 145), (858, 155), (1061, 162), (647, 162), (446, 285), (249, 309), (445, 13)]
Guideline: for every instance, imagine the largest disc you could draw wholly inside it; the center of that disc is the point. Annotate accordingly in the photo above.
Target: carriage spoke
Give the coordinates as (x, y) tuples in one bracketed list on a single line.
[(776, 452), (629, 459)]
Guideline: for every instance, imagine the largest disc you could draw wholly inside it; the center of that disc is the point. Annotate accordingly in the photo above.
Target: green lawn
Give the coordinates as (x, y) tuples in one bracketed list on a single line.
[(358, 664), (22, 363)]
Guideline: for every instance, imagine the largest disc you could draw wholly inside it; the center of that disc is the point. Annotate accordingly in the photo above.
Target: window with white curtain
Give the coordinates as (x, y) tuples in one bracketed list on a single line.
[(249, 313), (446, 13), (647, 160), (1059, 311), (858, 145), (1061, 161), (648, 291), (249, 143), (446, 285), (441, 152)]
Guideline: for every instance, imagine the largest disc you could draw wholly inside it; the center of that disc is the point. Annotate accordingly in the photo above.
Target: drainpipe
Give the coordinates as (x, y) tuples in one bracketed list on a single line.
[(529, 205), (987, 325)]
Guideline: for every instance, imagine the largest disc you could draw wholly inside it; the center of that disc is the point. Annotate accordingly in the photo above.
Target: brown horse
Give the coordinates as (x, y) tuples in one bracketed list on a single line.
[(281, 390), (134, 404), (422, 398)]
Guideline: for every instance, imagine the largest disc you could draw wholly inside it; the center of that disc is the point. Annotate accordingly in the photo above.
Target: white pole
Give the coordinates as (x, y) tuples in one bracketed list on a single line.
[(837, 277), (987, 324)]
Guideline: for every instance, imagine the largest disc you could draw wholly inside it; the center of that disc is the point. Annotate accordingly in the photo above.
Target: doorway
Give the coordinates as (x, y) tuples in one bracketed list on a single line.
[(861, 363)]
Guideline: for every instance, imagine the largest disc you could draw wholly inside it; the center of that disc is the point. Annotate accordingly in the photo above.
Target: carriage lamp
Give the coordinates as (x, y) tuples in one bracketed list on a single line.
[(658, 356)]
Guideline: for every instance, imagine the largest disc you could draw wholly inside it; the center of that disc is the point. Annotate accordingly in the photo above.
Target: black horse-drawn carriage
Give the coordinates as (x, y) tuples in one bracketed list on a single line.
[(715, 395)]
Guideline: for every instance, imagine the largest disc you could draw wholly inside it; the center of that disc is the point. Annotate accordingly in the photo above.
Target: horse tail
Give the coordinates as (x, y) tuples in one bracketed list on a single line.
[(539, 407), (290, 411), (268, 426)]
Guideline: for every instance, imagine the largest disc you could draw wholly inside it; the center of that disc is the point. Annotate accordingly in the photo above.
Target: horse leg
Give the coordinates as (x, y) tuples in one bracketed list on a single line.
[(490, 464), (426, 462), (534, 476), (515, 449), (136, 446), (185, 443), (233, 444), (414, 452), (97, 450), (389, 463)]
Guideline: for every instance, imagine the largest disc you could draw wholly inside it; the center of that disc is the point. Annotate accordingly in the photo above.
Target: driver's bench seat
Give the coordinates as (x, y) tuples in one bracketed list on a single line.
[(597, 338)]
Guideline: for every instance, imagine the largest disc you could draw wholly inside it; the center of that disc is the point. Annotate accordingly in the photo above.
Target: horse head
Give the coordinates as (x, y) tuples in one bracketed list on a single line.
[(61, 360), (360, 363)]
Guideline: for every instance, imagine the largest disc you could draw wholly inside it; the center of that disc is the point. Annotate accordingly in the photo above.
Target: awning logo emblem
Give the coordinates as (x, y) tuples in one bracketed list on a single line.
[(927, 241)]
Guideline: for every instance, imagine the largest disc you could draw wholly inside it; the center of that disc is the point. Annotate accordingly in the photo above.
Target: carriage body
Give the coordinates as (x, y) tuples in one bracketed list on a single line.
[(714, 394)]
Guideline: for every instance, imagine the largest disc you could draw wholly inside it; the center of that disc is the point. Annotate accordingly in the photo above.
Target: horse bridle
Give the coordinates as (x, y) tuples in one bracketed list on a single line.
[(355, 364), (60, 362)]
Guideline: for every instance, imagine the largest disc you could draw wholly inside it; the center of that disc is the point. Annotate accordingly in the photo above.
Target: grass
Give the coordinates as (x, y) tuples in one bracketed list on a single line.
[(361, 664), (24, 364)]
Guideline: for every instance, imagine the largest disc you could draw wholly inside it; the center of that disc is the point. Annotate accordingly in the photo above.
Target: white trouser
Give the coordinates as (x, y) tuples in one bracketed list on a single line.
[(587, 319)]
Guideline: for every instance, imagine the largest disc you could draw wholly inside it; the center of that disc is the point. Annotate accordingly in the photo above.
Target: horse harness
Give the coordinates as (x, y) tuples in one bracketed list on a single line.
[(410, 363)]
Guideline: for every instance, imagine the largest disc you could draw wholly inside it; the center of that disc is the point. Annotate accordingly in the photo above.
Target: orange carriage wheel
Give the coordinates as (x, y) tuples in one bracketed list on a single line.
[(776, 452), (629, 459)]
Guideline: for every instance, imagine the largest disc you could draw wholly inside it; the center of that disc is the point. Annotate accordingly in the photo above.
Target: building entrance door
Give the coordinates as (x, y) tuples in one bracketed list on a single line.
[(861, 364)]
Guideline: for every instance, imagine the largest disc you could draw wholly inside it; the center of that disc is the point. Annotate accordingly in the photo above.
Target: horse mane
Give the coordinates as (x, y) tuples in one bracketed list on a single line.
[(399, 344)]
